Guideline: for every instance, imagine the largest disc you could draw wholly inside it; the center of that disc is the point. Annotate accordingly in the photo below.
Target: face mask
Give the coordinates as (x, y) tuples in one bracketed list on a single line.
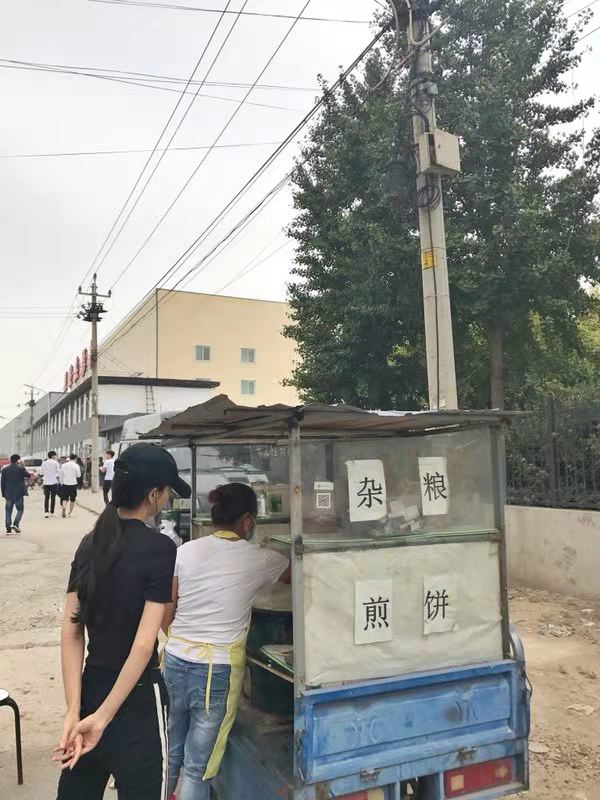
[(250, 534)]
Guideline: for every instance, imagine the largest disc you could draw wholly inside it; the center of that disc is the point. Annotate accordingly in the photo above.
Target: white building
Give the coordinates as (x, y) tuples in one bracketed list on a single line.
[(65, 424)]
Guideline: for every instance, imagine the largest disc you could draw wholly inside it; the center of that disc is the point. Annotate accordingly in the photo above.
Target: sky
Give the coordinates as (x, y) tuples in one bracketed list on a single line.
[(57, 210)]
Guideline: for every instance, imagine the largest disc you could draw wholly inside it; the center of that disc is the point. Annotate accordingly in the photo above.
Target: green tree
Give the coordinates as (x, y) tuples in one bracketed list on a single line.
[(520, 218)]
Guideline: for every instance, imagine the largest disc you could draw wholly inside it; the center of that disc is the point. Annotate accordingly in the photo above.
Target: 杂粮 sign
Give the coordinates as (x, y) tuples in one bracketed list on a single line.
[(435, 489), (366, 490)]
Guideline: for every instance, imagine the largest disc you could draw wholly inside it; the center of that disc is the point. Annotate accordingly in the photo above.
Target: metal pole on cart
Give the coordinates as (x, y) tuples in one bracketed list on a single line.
[(193, 500), (297, 555)]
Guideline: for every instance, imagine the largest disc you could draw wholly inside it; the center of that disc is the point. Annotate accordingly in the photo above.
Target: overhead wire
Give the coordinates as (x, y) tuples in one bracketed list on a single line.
[(64, 328), (220, 134), (165, 128), (589, 33), (579, 10), (150, 76), (135, 150), (234, 232), (114, 79), (180, 7)]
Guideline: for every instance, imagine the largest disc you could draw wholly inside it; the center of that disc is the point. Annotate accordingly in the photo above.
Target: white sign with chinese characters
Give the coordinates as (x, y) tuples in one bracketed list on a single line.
[(366, 490), (440, 604), (435, 489), (373, 606)]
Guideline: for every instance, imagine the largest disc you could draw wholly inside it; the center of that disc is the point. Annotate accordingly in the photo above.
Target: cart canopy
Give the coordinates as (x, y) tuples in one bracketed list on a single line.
[(221, 419)]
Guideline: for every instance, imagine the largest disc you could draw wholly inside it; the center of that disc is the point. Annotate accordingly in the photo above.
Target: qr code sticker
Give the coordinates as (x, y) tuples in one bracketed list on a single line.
[(324, 500)]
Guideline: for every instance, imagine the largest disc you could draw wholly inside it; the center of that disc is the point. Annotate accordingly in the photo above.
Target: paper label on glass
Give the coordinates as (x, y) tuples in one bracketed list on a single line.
[(373, 606), (366, 490), (435, 488), (440, 604), (324, 486), (324, 500)]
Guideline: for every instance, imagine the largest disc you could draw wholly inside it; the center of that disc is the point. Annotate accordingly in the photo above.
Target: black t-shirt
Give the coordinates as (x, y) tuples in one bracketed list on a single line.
[(143, 571)]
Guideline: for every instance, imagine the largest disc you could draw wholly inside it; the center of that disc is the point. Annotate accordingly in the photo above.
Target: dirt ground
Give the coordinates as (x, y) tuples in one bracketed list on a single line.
[(561, 635)]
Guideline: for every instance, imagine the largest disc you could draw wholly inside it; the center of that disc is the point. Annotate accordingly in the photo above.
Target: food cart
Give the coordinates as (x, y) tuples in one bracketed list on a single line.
[(390, 669)]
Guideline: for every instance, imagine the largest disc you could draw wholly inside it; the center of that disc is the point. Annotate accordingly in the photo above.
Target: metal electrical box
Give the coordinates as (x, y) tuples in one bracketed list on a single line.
[(439, 153)]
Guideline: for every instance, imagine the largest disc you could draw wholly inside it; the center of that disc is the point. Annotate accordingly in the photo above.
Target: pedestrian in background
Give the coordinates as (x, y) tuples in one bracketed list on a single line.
[(69, 475), (13, 484), (50, 471), (81, 470), (108, 470)]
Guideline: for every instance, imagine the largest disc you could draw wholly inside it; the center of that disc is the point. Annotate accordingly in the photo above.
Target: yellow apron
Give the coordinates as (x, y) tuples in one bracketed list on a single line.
[(237, 653)]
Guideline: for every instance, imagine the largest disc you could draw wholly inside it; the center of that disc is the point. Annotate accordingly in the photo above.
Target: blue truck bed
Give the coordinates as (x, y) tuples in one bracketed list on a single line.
[(359, 737)]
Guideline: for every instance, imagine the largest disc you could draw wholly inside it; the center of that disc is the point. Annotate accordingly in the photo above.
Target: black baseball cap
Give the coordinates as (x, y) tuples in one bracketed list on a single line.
[(155, 465)]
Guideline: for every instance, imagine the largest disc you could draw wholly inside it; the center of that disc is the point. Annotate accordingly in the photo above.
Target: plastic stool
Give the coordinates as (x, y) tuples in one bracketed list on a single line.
[(6, 700)]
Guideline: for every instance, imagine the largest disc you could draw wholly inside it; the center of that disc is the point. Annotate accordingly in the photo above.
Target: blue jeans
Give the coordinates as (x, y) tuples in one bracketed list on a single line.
[(192, 731), (20, 506)]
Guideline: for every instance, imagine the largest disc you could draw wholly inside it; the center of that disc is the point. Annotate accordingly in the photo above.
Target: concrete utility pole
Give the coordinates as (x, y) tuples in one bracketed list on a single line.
[(433, 156), (92, 312), (31, 404)]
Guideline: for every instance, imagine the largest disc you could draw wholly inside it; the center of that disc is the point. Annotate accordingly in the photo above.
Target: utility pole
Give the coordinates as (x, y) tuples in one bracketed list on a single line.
[(92, 312), (436, 155), (31, 404)]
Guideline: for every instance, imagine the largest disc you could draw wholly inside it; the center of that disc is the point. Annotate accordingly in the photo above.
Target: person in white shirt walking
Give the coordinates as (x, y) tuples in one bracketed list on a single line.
[(108, 468), (50, 472), (69, 475)]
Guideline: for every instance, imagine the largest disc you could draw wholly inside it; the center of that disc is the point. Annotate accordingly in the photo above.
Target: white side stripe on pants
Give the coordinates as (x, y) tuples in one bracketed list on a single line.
[(164, 746)]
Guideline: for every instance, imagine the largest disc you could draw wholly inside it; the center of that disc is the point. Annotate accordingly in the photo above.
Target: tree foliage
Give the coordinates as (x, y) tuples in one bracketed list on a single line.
[(521, 218)]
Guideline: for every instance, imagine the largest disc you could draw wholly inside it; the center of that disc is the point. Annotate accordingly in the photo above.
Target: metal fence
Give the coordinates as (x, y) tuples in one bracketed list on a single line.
[(553, 457)]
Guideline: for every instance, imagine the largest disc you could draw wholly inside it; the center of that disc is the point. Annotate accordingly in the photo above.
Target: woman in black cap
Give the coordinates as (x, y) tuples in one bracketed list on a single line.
[(120, 582)]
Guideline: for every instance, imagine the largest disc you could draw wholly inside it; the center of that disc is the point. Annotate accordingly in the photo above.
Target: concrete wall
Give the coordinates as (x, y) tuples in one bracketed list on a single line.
[(135, 352), (554, 549), (177, 322)]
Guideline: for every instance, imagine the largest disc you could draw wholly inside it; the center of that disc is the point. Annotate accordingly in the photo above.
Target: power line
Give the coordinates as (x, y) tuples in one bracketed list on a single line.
[(579, 10), (215, 142), (136, 82), (234, 232), (166, 6), (142, 150), (149, 159), (66, 324), (151, 76), (273, 156), (589, 33)]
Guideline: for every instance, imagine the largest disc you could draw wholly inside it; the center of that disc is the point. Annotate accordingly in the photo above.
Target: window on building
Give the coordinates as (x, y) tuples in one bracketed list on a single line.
[(248, 387), (202, 352), (248, 355)]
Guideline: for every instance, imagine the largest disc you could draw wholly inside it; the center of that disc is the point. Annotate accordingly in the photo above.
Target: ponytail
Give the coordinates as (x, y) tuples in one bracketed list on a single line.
[(102, 549), (104, 545)]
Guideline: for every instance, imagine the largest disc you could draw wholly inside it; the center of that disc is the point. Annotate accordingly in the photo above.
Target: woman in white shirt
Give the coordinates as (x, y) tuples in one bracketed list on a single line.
[(217, 579)]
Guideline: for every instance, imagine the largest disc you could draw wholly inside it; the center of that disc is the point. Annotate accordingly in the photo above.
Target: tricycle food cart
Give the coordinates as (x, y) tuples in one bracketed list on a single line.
[(391, 670)]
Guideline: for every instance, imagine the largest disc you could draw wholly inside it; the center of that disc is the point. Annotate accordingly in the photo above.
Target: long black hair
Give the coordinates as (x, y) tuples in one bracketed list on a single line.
[(230, 502), (101, 548)]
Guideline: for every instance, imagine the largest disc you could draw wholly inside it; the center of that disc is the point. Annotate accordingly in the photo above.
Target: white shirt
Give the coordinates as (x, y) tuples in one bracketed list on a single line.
[(109, 472), (69, 473), (218, 583), (50, 471)]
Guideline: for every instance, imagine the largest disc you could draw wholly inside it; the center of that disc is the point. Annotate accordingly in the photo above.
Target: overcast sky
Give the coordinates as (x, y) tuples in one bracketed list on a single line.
[(55, 211)]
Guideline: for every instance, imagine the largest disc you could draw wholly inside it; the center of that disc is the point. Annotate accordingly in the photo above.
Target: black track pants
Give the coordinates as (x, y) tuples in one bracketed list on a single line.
[(133, 748)]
